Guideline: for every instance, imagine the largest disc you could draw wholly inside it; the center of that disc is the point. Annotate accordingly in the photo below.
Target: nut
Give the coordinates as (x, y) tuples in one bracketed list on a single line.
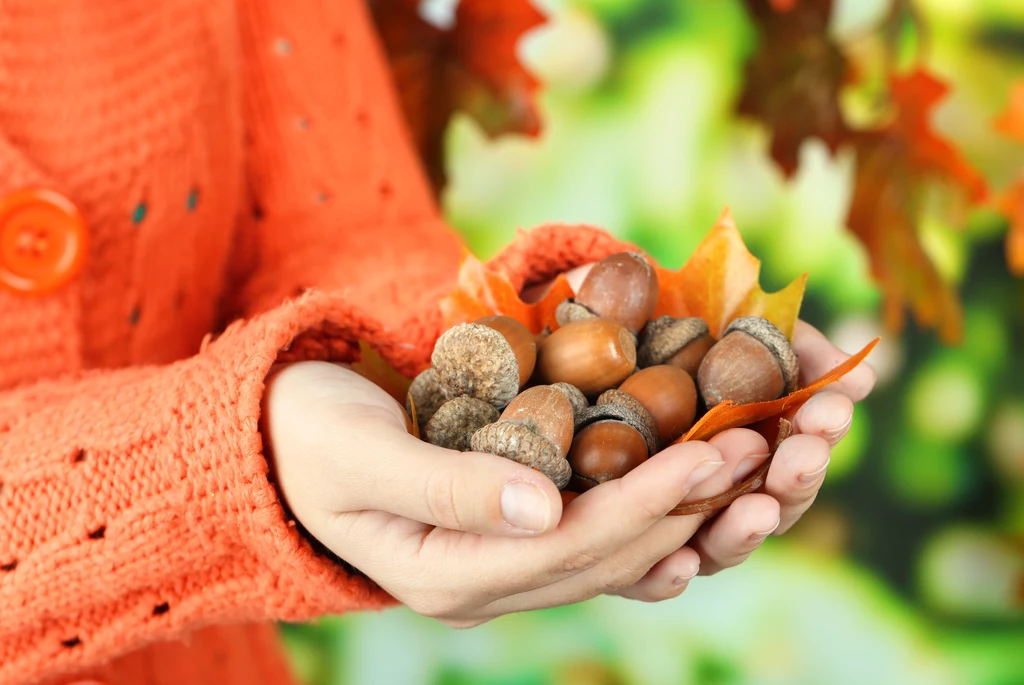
[(535, 429), (628, 411), (476, 360), (521, 340), (425, 391), (455, 422), (669, 394), (593, 355), (622, 287), (569, 311), (603, 451), (753, 362), (576, 398), (676, 342)]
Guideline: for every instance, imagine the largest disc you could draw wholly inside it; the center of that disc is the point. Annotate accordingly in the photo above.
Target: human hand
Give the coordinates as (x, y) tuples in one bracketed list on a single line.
[(462, 537)]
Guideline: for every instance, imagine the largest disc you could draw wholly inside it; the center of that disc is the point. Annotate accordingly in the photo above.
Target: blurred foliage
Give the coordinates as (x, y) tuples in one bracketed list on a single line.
[(909, 570)]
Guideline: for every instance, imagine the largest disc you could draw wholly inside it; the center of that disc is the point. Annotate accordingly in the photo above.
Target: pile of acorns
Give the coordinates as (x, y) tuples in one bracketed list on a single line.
[(610, 387)]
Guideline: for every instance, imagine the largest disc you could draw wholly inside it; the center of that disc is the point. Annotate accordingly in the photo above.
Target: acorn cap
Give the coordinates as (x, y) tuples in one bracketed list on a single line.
[(426, 392), (454, 423), (612, 411), (576, 397), (666, 335), (624, 399), (517, 442), (476, 360), (771, 337), (569, 311)]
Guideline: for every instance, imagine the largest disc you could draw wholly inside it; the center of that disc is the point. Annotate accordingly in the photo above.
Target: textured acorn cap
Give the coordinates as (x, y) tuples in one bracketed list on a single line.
[(517, 442), (476, 360), (454, 423), (569, 311), (576, 398), (624, 399), (666, 335), (771, 337), (612, 411), (425, 391)]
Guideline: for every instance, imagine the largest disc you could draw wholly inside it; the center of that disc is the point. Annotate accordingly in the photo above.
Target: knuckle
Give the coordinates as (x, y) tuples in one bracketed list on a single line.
[(577, 562), (442, 502), (437, 606), (619, 576)]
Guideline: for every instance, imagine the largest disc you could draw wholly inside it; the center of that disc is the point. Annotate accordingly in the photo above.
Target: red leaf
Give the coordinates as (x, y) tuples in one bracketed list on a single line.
[(471, 68), (792, 80)]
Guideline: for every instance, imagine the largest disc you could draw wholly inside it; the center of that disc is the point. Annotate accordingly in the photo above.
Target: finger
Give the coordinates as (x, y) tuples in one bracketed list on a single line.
[(818, 356), (666, 579), (796, 475), (737, 532), (828, 415)]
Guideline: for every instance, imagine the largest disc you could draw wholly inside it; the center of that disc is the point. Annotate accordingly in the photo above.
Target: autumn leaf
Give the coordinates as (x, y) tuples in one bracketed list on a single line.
[(894, 165), (1011, 122), (720, 283), (471, 68), (1011, 201), (792, 81), (480, 292), (372, 367)]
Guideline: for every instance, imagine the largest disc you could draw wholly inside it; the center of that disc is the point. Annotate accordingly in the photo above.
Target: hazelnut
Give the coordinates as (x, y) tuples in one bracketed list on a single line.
[(426, 393), (676, 342), (669, 394), (603, 451), (455, 422), (535, 429), (520, 338), (622, 287), (618, 406), (753, 362), (479, 361), (593, 355)]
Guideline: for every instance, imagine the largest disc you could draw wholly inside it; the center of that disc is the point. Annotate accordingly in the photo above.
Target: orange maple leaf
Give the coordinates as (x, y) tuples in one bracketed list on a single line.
[(792, 81), (1011, 201), (720, 283), (894, 163), (471, 67), (1011, 122)]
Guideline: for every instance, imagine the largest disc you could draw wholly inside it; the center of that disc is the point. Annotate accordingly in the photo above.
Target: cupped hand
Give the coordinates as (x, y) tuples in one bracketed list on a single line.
[(466, 537)]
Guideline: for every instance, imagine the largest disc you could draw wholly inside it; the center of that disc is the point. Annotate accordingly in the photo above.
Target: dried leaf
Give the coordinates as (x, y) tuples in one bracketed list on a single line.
[(481, 292), (793, 79), (373, 367), (728, 415), (413, 418), (894, 164), (471, 67), (720, 282)]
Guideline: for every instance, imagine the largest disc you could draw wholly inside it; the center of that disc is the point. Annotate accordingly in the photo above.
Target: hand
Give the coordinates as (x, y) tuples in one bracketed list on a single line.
[(468, 537)]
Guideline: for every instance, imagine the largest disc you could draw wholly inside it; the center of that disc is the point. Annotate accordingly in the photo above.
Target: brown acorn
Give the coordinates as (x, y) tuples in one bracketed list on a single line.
[(478, 360), (455, 422), (669, 394), (593, 355), (426, 393), (605, 450), (622, 287), (675, 342), (753, 362)]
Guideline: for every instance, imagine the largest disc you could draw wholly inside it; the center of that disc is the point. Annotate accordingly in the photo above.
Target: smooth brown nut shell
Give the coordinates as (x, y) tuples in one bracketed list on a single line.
[(623, 287), (776, 341), (669, 394), (743, 369), (517, 442), (476, 360), (603, 451), (593, 355), (425, 391), (629, 411), (521, 340), (546, 411), (455, 422), (676, 342)]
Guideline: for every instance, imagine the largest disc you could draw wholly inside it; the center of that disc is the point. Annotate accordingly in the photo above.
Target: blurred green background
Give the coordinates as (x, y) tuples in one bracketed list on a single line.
[(909, 570)]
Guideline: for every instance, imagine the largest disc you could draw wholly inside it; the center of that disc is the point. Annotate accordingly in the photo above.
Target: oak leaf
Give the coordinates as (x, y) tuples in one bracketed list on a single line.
[(471, 67), (793, 79), (895, 162)]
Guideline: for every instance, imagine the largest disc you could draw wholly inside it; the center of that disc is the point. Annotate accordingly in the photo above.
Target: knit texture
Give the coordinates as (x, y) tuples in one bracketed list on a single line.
[(252, 197)]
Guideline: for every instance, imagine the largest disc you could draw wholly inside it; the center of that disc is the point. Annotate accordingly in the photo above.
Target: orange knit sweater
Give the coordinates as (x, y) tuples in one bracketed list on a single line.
[(233, 162)]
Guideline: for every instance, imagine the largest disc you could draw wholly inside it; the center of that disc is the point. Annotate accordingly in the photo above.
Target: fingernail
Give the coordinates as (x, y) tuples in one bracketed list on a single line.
[(834, 435), (703, 472), (813, 476), (683, 578), (758, 538), (747, 467), (526, 507)]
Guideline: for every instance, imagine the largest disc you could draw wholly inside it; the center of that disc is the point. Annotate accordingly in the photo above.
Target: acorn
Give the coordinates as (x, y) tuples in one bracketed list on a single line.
[(622, 287), (593, 355), (426, 394), (535, 429), (753, 362), (489, 361), (603, 451), (455, 422), (576, 398), (669, 394), (675, 342)]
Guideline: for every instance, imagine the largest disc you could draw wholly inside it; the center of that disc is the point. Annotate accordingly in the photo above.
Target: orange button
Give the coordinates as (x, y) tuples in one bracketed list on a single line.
[(43, 241)]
